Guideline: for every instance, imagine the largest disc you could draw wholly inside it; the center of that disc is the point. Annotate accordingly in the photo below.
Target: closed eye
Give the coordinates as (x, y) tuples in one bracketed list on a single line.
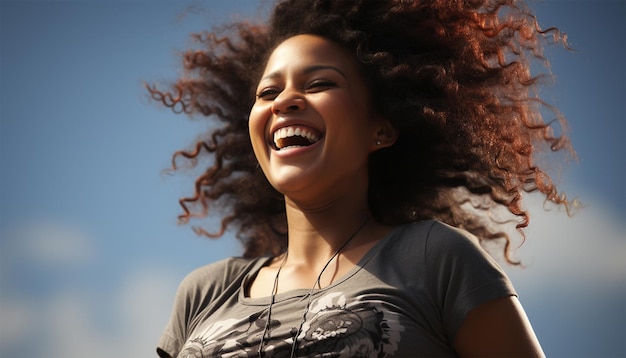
[(268, 93), (320, 85)]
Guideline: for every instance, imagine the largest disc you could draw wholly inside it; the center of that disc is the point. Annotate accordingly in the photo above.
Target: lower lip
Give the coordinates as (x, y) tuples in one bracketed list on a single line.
[(285, 153)]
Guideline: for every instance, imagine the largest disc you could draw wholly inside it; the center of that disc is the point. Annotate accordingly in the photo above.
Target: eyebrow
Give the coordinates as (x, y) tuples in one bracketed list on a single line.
[(311, 69)]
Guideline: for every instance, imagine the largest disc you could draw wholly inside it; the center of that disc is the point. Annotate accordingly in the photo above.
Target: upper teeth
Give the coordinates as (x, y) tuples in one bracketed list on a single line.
[(287, 132)]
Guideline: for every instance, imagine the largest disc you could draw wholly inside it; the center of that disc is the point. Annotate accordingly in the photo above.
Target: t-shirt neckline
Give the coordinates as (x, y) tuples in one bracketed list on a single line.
[(304, 292)]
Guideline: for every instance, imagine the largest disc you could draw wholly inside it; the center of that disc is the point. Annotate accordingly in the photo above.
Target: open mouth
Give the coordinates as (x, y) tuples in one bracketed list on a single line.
[(294, 137)]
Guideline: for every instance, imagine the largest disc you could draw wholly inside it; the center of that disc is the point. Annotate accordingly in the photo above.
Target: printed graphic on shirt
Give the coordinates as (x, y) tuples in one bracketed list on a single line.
[(358, 329), (335, 327)]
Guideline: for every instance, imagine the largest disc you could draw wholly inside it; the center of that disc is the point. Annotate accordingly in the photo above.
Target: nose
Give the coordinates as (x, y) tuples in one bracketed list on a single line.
[(288, 101)]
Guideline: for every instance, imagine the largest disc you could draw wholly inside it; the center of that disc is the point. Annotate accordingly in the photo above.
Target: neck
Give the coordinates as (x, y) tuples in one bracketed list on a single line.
[(316, 232)]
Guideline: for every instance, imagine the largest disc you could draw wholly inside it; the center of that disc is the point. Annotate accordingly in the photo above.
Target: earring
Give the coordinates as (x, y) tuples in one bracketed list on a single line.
[(378, 142)]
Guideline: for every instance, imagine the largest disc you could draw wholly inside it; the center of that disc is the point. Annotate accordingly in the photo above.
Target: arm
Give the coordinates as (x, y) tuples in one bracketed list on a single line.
[(498, 328)]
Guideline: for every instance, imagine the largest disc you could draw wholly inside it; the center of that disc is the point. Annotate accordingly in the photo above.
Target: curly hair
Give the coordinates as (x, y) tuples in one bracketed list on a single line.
[(453, 76)]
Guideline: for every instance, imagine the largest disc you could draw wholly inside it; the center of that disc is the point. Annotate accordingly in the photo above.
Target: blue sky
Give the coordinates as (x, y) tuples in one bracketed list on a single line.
[(90, 252)]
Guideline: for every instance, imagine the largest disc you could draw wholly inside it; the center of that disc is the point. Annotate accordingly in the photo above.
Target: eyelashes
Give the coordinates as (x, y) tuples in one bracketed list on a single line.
[(320, 85), (270, 93)]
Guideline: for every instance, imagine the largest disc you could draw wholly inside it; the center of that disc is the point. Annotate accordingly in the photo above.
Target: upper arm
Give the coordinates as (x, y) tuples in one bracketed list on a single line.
[(497, 328)]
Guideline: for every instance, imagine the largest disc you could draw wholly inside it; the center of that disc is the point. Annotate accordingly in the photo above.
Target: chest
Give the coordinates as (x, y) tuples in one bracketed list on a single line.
[(345, 322)]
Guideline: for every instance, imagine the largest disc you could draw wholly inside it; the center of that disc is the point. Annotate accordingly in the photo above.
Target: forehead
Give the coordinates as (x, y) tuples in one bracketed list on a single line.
[(306, 50)]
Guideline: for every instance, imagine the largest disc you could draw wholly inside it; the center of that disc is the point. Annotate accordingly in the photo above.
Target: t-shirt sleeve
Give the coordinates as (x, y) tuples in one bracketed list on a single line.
[(175, 332), (194, 293), (462, 274)]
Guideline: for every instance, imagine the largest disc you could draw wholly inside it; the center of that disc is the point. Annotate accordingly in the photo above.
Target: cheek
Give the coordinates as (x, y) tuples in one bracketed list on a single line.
[(350, 114), (257, 122)]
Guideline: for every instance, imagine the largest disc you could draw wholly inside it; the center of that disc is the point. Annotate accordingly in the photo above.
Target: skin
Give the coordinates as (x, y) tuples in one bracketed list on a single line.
[(499, 328), (314, 84)]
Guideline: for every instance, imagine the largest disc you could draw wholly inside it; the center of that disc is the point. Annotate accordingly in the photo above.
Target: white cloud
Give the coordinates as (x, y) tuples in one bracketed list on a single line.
[(49, 243), (17, 319), (144, 304), (140, 309), (587, 247), (69, 319), (48, 309), (69, 323)]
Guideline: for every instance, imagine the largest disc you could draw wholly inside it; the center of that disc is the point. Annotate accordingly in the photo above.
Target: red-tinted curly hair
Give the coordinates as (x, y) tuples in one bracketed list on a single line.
[(453, 76)]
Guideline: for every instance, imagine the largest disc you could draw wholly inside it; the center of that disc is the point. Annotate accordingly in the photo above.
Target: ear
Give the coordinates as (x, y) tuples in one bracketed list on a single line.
[(385, 135)]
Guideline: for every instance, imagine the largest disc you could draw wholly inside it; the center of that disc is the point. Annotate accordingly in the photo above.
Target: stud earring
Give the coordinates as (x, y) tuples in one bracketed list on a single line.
[(378, 142)]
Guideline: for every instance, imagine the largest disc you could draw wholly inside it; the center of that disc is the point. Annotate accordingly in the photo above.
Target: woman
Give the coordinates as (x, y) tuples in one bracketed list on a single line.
[(384, 141)]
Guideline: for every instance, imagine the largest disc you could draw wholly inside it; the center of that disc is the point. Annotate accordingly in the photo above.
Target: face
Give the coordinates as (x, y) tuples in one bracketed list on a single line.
[(312, 127)]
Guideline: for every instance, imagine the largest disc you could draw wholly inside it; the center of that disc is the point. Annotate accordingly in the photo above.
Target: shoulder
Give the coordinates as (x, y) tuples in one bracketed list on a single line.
[(197, 291), (427, 245), (436, 237), (454, 247), (211, 279), (445, 239), (440, 249), (223, 267)]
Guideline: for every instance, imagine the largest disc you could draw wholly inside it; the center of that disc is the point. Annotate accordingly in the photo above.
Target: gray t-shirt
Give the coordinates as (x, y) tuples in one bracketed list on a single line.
[(407, 297)]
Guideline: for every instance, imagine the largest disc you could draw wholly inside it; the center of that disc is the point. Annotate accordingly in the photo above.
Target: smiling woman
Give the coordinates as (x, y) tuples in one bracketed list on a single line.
[(355, 134), (323, 93)]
